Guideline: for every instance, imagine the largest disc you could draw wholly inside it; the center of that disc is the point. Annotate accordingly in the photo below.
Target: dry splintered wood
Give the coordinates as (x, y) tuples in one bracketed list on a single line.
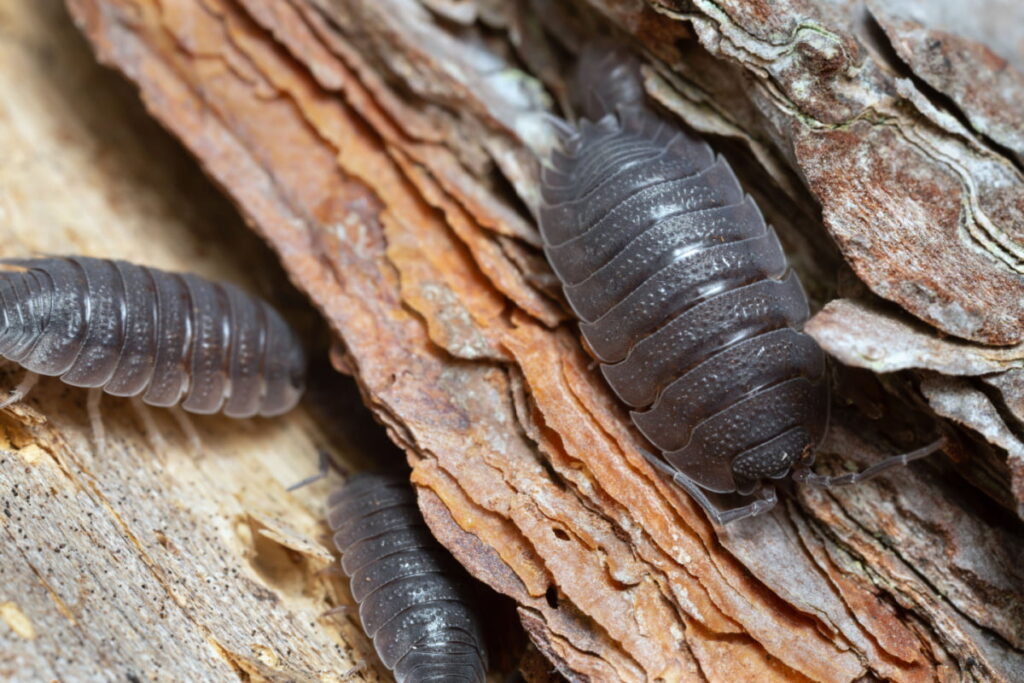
[(139, 563), (381, 147)]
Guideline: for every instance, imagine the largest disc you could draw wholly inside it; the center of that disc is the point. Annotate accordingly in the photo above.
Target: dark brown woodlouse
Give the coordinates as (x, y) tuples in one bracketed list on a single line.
[(414, 600), (684, 296), (132, 330)]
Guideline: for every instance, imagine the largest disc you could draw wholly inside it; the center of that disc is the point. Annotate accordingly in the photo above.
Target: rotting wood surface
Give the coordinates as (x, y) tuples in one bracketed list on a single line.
[(378, 146), (134, 564)]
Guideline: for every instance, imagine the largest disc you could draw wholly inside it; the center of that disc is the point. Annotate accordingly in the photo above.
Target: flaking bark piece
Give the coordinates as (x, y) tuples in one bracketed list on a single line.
[(990, 398), (984, 85), (880, 339)]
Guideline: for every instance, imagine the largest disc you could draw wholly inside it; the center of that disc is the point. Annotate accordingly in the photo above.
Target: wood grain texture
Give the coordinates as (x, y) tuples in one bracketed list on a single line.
[(135, 564), (381, 147)]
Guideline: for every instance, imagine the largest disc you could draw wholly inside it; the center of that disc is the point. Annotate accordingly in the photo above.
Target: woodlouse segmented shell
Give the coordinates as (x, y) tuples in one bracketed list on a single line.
[(682, 290), (133, 330), (414, 600)]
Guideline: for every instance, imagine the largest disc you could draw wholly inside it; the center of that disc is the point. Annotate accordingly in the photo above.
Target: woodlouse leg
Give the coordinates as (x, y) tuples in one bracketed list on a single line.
[(153, 435), (807, 476), (322, 469), (763, 504), (92, 404), (19, 392), (190, 429), (338, 610), (333, 569), (360, 666)]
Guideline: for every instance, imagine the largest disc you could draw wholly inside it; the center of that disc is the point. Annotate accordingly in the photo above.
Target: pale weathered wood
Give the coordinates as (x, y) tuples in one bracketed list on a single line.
[(131, 564)]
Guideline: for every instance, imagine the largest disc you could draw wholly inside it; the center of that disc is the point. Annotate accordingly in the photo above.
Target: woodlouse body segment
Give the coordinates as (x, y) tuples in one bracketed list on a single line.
[(414, 601), (683, 293), (133, 330)]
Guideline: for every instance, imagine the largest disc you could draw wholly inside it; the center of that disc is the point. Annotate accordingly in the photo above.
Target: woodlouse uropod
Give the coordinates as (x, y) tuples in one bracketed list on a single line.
[(132, 330), (684, 296), (414, 600)]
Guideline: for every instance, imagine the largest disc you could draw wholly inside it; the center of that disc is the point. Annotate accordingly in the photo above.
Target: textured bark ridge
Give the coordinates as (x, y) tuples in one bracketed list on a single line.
[(381, 148)]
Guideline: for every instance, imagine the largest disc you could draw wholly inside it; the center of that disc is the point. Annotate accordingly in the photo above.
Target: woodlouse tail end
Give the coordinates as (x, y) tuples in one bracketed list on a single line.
[(607, 76), (544, 133)]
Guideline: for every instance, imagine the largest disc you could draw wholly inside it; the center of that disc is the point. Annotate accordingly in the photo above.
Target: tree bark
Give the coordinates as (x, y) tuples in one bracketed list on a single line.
[(381, 147)]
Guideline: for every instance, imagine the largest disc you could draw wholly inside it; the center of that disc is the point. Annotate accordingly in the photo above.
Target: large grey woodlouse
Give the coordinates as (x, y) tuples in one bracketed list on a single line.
[(414, 600), (138, 331), (684, 296)]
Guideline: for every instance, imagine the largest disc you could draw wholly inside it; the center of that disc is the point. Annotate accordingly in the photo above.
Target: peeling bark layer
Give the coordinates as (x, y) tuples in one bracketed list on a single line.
[(381, 148)]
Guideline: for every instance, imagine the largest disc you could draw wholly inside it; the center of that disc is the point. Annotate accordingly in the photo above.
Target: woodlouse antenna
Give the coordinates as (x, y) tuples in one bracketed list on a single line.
[(806, 475), (323, 467)]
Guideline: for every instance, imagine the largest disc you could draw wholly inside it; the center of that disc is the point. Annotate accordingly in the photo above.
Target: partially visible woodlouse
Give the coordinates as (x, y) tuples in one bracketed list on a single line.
[(684, 296), (414, 599), (138, 331)]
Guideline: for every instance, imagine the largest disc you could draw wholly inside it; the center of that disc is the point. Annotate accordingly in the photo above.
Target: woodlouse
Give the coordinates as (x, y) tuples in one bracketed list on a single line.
[(138, 331), (684, 296), (414, 600)]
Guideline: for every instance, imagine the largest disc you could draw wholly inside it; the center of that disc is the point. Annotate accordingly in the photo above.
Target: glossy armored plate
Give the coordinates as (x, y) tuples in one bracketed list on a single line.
[(132, 330), (413, 598)]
